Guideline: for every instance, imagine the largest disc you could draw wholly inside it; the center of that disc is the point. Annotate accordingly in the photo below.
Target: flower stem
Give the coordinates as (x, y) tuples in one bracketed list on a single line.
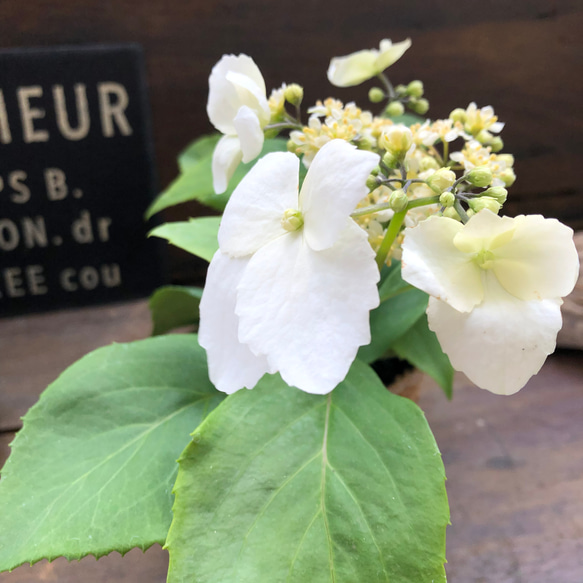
[(390, 236)]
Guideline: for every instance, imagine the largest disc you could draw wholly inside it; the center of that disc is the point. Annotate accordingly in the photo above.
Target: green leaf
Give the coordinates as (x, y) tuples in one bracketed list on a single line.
[(174, 306), (196, 181), (408, 119), (281, 486), (391, 320), (199, 149), (197, 236), (392, 283), (92, 469), (419, 345)]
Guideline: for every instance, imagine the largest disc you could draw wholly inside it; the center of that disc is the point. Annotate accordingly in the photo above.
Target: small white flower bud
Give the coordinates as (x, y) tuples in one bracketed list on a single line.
[(376, 94), (372, 183), (415, 88), (496, 144), (507, 159), (498, 193), (447, 199), (390, 160), (294, 94), (485, 202), (421, 106), (397, 140), (458, 114), (398, 200), (479, 176), (441, 180), (508, 177), (395, 109)]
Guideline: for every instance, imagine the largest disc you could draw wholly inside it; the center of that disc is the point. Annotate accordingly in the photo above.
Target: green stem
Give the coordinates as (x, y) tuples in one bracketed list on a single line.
[(283, 126), (388, 85), (383, 206), (392, 232), (417, 202), (445, 151)]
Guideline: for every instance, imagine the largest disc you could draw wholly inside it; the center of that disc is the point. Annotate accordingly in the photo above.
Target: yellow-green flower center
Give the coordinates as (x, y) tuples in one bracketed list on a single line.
[(292, 220), (484, 259)]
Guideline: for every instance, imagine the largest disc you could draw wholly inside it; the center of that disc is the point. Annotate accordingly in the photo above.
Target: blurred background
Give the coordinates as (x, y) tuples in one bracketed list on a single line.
[(515, 485)]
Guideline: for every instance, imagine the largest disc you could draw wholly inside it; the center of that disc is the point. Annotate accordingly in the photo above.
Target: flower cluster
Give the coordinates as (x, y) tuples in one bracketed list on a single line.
[(294, 280)]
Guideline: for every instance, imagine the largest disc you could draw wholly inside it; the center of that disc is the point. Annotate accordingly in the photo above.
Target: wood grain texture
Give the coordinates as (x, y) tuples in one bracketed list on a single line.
[(35, 349), (514, 470), (525, 58)]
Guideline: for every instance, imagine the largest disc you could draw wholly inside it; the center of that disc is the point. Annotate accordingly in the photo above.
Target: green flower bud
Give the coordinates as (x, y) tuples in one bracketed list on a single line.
[(479, 176), (451, 213), (390, 160), (395, 109), (484, 137), (441, 180), (364, 144), (508, 177), (470, 213), (415, 88), (458, 114), (498, 193), (401, 90), (372, 183), (507, 159), (496, 144), (292, 220), (398, 200), (485, 202), (421, 106), (428, 163), (375, 171), (294, 94), (376, 94), (291, 146), (447, 199)]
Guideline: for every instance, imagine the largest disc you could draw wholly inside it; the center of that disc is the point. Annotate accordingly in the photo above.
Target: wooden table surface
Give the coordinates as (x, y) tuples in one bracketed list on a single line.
[(514, 464)]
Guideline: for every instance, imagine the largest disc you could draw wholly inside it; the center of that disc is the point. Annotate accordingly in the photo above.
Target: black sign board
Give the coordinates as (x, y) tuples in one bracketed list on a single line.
[(76, 175)]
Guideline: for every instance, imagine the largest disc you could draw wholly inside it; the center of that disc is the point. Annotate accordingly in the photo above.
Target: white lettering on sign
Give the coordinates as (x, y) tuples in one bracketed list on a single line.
[(112, 98), (88, 277)]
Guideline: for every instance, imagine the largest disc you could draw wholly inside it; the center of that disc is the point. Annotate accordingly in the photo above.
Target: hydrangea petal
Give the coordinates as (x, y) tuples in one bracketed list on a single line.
[(231, 364), (226, 157), (540, 261), (253, 216), (485, 230), (249, 132), (502, 342), (352, 69), (335, 183), (224, 101), (432, 263), (390, 53), (250, 94), (309, 311)]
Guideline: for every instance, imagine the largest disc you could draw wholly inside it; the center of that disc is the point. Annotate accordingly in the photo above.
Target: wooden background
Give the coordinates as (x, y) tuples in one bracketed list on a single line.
[(525, 58)]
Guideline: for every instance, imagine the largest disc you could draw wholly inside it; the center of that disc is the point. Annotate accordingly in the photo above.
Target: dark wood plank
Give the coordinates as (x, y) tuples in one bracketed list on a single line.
[(524, 58), (134, 567), (515, 477), (35, 349)]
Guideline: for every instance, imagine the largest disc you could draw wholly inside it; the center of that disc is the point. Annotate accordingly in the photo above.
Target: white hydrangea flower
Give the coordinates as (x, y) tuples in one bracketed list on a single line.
[(357, 67), (496, 285), (238, 107), (292, 284)]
